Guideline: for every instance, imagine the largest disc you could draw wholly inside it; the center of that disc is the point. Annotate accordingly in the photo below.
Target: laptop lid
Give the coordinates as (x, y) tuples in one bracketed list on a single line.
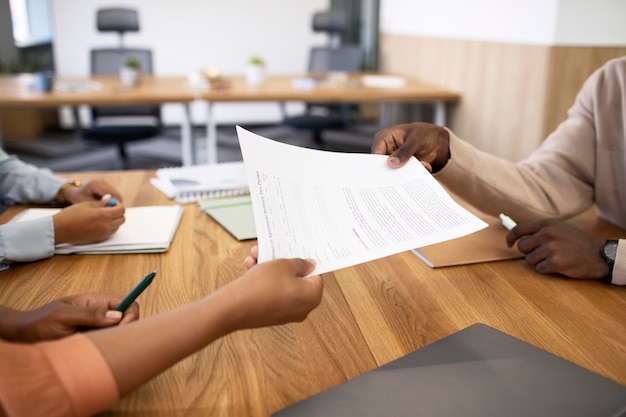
[(478, 371)]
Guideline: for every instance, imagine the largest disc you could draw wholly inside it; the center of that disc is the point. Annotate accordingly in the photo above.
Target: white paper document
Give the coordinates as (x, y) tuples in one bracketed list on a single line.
[(342, 209)]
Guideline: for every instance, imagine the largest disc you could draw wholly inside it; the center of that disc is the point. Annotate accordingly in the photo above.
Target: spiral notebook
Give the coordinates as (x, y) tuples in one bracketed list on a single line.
[(193, 183)]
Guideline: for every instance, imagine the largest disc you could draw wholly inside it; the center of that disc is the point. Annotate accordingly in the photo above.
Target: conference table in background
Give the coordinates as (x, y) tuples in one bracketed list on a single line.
[(352, 88), (370, 313), (16, 92)]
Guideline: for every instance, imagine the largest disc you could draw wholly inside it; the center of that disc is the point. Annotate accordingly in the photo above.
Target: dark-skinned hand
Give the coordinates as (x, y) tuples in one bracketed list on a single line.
[(554, 247)]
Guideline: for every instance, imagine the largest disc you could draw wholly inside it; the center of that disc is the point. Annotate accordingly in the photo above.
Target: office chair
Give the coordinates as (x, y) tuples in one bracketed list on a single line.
[(324, 59), (115, 124)]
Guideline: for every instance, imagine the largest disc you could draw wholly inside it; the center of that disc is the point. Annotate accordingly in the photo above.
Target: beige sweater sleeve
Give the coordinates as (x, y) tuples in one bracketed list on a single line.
[(539, 187), (583, 162)]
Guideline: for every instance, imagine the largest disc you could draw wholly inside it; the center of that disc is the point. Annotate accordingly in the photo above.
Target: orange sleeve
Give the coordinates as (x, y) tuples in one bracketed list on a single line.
[(67, 377)]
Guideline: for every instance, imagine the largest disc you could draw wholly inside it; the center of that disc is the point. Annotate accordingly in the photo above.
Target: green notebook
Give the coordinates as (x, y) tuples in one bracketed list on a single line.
[(233, 213)]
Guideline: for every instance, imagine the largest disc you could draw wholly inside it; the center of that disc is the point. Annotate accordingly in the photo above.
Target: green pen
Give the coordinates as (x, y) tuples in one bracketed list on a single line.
[(132, 296)]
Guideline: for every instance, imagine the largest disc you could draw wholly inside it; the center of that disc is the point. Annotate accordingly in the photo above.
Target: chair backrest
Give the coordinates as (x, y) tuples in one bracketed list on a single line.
[(107, 61), (346, 58), (343, 58), (335, 22), (117, 19)]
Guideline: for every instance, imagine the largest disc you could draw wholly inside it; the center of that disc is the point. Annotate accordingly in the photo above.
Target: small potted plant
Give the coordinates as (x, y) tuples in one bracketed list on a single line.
[(129, 72), (255, 72)]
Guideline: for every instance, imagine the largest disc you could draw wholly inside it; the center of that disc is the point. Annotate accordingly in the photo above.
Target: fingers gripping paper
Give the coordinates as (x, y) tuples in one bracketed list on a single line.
[(342, 209)]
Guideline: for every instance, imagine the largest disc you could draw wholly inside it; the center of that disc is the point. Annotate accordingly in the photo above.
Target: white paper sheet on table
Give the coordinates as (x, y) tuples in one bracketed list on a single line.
[(342, 209)]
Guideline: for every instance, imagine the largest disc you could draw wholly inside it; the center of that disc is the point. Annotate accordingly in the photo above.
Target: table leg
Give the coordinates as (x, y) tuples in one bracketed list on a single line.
[(385, 115), (76, 115), (211, 135), (440, 113), (417, 112), (187, 145)]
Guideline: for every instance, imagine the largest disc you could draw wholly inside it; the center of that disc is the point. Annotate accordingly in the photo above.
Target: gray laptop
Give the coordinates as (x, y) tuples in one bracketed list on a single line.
[(478, 371)]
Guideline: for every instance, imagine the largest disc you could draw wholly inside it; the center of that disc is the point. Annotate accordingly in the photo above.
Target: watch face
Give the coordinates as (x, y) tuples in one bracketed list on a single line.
[(610, 250)]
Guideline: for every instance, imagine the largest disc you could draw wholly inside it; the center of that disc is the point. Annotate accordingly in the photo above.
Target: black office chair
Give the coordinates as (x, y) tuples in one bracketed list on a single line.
[(331, 58), (120, 125)]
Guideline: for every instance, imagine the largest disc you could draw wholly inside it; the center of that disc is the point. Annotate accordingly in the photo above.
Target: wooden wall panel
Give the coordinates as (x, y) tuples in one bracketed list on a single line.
[(512, 95), (569, 68), (501, 87)]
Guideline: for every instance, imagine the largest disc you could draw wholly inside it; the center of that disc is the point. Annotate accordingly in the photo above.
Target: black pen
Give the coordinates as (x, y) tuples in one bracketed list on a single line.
[(132, 296)]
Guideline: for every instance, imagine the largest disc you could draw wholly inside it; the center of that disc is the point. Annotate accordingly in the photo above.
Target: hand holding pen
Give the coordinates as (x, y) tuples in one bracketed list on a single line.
[(88, 222), (111, 201), (63, 317), (89, 191), (552, 246), (67, 315), (507, 222)]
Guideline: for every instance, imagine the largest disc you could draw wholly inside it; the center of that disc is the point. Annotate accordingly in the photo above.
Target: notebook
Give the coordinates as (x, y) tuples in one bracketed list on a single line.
[(232, 213), (478, 371), (148, 229), (193, 183), (486, 245)]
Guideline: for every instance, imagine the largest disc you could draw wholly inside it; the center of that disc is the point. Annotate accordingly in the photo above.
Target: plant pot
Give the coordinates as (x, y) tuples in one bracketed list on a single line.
[(255, 75), (129, 76)]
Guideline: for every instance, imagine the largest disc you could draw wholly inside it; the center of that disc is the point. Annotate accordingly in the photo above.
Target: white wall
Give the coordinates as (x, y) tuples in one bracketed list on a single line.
[(187, 35), (532, 22), (591, 23)]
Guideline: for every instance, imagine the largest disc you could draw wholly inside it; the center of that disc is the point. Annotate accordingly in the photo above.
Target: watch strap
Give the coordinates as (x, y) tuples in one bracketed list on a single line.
[(609, 259), (61, 193)]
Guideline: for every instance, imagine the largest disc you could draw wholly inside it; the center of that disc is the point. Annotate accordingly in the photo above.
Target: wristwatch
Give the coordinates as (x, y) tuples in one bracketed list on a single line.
[(61, 194), (609, 252)]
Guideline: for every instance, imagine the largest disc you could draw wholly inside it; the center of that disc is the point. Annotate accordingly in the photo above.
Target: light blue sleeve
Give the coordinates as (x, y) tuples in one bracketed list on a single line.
[(24, 183), (27, 241)]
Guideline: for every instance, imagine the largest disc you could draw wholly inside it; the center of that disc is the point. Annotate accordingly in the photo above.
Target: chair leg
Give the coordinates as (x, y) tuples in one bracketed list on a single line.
[(317, 139), (121, 150)]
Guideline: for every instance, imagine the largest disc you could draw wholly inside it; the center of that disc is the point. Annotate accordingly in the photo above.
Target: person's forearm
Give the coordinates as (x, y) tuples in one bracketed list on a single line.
[(139, 351), (27, 241), (9, 323), (26, 183)]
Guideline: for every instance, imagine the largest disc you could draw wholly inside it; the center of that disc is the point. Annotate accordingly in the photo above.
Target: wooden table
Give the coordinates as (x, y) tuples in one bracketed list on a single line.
[(370, 314), (351, 90), (15, 92)]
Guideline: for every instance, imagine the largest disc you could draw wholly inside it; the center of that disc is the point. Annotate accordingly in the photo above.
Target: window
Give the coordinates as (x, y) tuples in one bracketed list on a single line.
[(31, 22)]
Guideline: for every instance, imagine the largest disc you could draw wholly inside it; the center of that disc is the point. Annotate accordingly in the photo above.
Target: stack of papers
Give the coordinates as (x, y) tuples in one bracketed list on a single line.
[(148, 229), (78, 86), (383, 81), (189, 184)]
